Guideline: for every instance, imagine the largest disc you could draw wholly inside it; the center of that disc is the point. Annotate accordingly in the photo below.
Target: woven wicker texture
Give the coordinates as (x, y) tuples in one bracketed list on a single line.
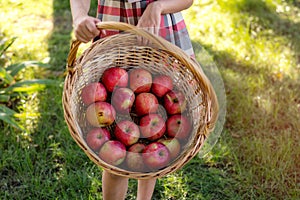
[(136, 48)]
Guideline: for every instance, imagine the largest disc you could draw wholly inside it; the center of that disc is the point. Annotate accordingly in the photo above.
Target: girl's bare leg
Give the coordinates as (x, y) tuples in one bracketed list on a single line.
[(113, 187), (145, 189)]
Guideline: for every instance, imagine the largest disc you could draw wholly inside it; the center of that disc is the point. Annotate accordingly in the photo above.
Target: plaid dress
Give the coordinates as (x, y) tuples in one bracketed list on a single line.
[(172, 26)]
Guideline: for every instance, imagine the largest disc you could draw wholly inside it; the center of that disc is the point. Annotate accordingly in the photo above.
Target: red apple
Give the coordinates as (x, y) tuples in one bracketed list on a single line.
[(100, 114), (114, 76), (145, 103), (96, 137), (140, 80), (161, 85), (156, 155), (174, 102), (152, 126), (127, 132), (178, 126), (122, 100), (113, 152), (134, 158), (93, 92), (173, 146)]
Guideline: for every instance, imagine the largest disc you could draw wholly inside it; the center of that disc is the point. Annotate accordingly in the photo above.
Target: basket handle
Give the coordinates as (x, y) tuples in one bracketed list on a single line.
[(155, 39), (72, 55), (121, 26)]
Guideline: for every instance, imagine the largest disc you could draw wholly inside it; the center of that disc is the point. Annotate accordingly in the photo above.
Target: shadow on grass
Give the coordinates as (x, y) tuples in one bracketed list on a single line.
[(294, 3), (59, 41), (269, 19)]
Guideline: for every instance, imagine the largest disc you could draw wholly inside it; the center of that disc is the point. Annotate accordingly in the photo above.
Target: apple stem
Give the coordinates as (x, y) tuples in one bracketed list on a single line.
[(169, 98)]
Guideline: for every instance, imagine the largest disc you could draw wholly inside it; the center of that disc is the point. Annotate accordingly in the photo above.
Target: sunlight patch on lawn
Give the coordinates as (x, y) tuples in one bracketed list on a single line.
[(31, 29), (175, 186), (242, 36)]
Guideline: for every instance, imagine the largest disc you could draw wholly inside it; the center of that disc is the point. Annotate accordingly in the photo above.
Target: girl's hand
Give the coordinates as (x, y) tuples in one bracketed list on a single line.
[(150, 19), (85, 28)]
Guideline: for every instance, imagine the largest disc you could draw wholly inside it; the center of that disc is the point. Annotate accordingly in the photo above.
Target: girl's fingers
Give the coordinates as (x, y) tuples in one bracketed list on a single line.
[(144, 41), (92, 29), (86, 35), (86, 29), (81, 37), (156, 30)]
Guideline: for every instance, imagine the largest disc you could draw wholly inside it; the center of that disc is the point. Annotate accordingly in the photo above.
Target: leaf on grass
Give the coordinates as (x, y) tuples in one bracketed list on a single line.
[(31, 85), (5, 77), (4, 98), (27, 115), (4, 47), (9, 120), (4, 109), (8, 115), (14, 69)]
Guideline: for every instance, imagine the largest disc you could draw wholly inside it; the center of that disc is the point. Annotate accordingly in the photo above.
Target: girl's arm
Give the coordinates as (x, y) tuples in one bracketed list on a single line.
[(84, 25), (172, 6), (152, 14)]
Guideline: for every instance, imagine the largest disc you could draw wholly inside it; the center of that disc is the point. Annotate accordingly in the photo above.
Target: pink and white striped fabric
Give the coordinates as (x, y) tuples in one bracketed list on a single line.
[(172, 26)]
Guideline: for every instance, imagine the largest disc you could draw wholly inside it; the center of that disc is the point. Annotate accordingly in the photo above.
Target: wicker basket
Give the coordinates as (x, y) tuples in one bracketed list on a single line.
[(128, 50)]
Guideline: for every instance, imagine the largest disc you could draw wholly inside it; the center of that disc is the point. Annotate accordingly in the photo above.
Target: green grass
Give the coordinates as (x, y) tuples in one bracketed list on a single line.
[(256, 46)]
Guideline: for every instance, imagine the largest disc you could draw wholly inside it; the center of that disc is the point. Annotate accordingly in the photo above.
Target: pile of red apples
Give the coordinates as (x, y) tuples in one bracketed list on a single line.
[(137, 119)]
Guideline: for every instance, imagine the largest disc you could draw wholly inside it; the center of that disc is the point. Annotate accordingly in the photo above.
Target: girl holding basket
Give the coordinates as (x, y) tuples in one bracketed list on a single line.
[(160, 17)]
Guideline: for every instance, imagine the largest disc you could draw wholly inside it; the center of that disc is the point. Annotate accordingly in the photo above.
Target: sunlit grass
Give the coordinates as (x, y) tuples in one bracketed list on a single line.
[(256, 48), (258, 60), (31, 30), (224, 27), (32, 27)]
